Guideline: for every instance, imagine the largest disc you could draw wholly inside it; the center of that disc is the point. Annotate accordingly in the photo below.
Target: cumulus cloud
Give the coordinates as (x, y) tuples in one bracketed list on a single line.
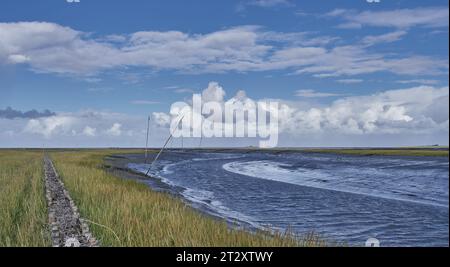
[(9, 113), (161, 118), (393, 111), (50, 125), (86, 128), (410, 111), (417, 115), (431, 17), (89, 131), (52, 48), (85, 123), (214, 92), (115, 130)]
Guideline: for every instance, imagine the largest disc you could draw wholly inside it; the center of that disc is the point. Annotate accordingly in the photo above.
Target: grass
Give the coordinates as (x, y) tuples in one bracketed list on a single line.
[(384, 152), (23, 210), (133, 215)]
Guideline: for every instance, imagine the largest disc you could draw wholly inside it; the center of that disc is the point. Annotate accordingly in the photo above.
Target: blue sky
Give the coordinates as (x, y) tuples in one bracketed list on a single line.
[(135, 58)]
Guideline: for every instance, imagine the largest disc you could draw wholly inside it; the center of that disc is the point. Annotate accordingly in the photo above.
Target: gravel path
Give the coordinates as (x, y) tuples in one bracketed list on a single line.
[(67, 228)]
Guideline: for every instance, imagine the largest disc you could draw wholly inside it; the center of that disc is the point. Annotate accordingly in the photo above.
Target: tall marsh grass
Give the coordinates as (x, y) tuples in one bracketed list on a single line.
[(23, 209), (128, 213)]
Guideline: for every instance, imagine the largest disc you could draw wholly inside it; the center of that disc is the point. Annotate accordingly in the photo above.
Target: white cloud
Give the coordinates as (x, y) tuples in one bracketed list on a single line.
[(88, 128), (349, 25), (432, 17), (214, 92), (85, 123), (354, 60), (350, 81), (49, 47), (17, 59), (415, 111), (171, 87), (161, 119), (54, 48), (403, 111), (384, 38), (115, 130), (115, 38), (183, 90), (50, 125), (308, 93), (396, 111), (419, 81), (295, 38), (411, 116), (89, 131)]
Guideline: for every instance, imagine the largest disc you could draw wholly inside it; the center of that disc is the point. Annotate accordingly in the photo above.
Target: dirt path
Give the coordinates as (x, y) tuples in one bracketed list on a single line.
[(67, 228)]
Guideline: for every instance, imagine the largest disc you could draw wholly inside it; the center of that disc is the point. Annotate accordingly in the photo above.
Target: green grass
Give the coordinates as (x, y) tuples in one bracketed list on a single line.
[(23, 210), (384, 152), (133, 215)]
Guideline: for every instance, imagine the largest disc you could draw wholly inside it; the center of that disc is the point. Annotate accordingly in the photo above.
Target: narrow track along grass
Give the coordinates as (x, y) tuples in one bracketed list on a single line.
[(23, 209), (131, 214)]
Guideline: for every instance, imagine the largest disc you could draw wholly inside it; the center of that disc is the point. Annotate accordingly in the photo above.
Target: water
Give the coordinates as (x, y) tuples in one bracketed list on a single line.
[(402, 201)]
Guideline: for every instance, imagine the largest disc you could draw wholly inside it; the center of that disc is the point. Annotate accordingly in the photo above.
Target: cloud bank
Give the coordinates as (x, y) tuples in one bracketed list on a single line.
[(422, 109), (410, 116), (9, 113), (53, 48)]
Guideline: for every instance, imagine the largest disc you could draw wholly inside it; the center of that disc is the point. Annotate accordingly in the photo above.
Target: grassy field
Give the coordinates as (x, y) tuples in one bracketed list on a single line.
[(130, 214), (23, 210), (385, 152)]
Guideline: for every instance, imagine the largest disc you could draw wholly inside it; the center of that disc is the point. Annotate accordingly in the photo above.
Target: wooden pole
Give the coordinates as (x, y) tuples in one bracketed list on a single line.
[(164, 146)]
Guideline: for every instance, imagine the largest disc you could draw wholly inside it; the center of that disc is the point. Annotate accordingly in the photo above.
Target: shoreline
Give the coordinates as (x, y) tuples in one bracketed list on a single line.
[(120, 162), (136, 215), (115, 164)]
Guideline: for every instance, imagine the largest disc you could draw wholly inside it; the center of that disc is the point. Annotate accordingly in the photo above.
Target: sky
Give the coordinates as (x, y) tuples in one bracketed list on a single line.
[(346, 73)]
